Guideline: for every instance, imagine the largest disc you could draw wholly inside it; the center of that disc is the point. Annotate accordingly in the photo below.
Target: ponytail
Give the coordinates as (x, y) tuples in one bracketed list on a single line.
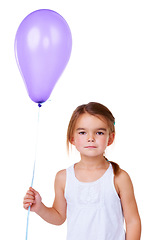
[(115, 166)]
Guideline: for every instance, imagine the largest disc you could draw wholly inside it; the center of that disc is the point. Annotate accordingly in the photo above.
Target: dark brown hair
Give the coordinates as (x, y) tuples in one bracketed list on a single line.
[(95, 109)]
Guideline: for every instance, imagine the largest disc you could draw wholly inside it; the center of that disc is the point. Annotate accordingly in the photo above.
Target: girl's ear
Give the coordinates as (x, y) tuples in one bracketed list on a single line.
[(111, 139), (72, 140)]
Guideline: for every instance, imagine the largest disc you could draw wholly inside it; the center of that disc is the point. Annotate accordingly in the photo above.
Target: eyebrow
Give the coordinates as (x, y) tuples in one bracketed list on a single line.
[(78, 129), (103, 129)]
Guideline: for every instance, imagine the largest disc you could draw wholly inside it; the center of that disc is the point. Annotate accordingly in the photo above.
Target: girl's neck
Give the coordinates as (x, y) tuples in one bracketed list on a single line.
[(93, 163)]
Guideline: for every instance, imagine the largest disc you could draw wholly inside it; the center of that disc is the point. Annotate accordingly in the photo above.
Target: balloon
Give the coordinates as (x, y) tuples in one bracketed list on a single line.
[(43, 46)]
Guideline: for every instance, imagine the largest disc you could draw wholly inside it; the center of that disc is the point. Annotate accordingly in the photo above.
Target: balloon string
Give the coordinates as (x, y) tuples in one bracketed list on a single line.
[(36, 144)]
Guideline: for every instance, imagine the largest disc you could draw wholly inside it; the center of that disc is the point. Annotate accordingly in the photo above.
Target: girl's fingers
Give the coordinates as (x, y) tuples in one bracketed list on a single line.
[(27, 205), (28, 200), (31, 197), (29, 192), (33, 190), (28, 196)]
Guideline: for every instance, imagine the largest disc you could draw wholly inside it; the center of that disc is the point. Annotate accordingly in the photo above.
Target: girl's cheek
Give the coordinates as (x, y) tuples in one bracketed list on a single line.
[(79, 140)]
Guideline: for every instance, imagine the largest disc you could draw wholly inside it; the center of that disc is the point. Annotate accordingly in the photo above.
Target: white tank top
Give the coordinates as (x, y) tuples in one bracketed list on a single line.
[(94, 209)]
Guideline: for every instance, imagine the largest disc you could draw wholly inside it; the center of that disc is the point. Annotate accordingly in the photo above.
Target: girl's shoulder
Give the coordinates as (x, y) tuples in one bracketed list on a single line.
[(60, 178), (61, 173), (122, 176), (123, 182)]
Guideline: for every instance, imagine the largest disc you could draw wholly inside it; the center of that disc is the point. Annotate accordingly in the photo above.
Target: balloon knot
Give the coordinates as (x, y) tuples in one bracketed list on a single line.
[(40, 105)]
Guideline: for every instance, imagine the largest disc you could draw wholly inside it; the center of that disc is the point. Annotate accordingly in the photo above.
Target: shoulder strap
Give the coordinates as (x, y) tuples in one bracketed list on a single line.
[(69, 178)]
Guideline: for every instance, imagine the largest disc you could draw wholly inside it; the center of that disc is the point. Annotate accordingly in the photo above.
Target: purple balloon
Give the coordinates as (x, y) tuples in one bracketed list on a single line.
[(43, 46)]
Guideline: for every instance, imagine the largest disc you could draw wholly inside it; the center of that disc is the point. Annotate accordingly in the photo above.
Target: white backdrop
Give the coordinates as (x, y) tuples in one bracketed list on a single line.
[(112, 62)]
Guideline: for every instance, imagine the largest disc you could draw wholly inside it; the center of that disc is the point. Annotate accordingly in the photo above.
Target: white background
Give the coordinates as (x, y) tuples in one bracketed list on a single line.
[(112, 62)]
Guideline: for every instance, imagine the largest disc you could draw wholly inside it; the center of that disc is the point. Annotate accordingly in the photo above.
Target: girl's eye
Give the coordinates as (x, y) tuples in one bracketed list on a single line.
[(100, 133), (82, 133)]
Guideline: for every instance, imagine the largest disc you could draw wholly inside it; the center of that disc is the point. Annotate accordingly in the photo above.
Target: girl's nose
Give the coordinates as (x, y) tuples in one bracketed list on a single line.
[(91, 139)]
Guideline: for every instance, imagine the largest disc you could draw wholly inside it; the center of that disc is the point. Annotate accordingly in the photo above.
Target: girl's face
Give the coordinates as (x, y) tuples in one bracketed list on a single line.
[(91, 135)]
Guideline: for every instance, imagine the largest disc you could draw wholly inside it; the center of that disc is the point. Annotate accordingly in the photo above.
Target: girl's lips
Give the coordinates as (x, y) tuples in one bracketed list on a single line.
[(90, 147)]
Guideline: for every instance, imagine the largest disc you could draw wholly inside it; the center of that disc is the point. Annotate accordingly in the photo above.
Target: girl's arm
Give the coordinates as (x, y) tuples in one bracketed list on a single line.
[(57, 213), (130, 210)]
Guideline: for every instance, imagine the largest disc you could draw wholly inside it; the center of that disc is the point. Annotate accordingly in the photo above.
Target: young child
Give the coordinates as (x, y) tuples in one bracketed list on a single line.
[(94, 194)]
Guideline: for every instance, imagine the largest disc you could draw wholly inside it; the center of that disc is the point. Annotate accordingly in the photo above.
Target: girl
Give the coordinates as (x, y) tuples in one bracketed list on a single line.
[(95, 194)]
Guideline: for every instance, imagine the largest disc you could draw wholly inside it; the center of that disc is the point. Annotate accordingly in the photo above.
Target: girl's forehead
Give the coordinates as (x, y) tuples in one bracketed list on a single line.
[(88, 119)]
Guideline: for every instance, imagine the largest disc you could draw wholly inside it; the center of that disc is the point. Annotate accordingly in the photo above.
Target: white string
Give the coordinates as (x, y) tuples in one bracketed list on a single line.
[(36, 145)]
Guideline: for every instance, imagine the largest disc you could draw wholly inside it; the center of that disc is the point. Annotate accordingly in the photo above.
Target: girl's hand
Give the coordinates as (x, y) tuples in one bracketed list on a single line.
[(32, 199)]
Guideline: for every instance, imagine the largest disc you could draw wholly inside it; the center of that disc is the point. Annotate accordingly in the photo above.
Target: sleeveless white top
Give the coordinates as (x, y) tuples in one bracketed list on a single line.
[(94, 209)]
